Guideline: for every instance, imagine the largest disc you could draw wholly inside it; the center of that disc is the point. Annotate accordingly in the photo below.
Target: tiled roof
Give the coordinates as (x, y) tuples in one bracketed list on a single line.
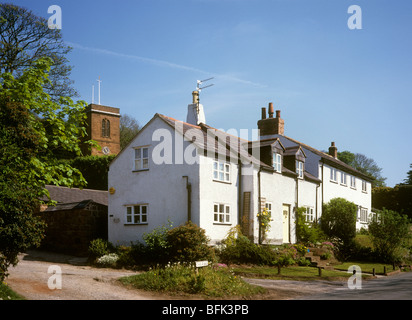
[(75, 195), (204, 137)]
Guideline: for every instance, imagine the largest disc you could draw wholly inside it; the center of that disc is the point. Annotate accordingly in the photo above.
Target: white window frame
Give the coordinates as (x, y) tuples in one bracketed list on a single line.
[(333, 175), (141, 160), (364, 186), (309, 214), (363, 215), (299, 169), (343, 178), (222, 213), (353, 182), (277, 162), (268, 207), (137, 214), (221, 171)]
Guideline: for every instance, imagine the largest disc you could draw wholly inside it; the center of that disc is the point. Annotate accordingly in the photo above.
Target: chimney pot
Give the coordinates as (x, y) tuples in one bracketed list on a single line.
[(278, 114), (263, 113), (271, 110), (333, 150)]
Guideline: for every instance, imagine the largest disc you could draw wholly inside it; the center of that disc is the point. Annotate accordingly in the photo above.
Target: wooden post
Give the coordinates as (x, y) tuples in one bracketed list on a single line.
[(320, 271)]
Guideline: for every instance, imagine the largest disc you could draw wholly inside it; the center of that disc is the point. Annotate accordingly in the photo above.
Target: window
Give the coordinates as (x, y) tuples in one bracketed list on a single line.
[(105, 128), (141, 158), (299, 169), (343, 178), (364, 187), (363, 215), (221, 213), (136, 214), (353, 182), (309, 216), (277, 162), (268, 206), (221, 171), (333, 175)]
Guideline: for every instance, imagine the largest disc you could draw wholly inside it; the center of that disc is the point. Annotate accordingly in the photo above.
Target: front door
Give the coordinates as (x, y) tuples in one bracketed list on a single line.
[(286, 220)]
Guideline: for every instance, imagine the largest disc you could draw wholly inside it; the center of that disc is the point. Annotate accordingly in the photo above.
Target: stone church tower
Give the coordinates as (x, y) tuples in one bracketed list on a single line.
[(103, 126)]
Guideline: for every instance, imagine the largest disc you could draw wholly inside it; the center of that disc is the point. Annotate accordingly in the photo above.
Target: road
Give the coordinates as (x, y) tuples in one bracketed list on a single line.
[(395, 287)]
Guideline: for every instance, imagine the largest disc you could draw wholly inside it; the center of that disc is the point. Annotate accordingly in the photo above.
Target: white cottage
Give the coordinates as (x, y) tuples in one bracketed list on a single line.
[(178, 171)]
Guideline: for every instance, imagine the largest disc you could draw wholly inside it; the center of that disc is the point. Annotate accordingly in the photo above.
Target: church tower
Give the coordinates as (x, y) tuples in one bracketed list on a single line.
[(103, 126)]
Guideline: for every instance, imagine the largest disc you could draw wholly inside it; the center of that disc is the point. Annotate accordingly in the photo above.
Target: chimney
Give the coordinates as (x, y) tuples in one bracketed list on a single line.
[(333, 151), (195, 112), (263, 113), (271, 126), (271, 110)]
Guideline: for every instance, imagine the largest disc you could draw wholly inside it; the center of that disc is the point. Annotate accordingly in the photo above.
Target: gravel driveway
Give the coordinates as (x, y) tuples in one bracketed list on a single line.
[(79, 281)]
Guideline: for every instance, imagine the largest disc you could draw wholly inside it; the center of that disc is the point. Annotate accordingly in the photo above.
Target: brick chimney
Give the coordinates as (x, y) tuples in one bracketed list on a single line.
[(269, 126), (333, 150)]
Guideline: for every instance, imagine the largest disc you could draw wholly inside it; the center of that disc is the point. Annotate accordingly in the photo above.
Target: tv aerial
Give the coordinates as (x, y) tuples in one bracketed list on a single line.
[(200, 82)]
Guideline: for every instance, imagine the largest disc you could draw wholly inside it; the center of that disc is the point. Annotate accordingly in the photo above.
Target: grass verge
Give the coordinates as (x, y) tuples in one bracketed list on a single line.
[(290, 273), (208, 282), (365, 267), (7, 294)]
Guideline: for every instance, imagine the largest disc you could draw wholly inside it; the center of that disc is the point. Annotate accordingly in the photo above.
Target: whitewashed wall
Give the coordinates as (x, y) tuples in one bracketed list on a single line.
[(162, 187)]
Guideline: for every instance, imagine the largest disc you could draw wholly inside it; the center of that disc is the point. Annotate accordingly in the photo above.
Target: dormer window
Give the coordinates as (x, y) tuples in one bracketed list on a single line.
[(299, 169), (277, 162)]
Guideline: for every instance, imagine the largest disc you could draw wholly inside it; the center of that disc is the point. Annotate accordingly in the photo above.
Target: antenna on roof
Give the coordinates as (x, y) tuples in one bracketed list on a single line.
[(199, 88), (99, 90), (199, 83)]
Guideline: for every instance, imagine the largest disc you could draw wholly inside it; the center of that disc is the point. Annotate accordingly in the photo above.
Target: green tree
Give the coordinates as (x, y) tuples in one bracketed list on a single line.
[(129, 127), (408, 179), (389, 231), (339, 220), (32, 125), (24, 38), (364, 165)]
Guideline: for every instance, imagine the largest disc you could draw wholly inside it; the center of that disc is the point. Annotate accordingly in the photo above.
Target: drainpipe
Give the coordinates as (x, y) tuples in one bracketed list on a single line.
[(189, 198), (259, 204), (239, 193)]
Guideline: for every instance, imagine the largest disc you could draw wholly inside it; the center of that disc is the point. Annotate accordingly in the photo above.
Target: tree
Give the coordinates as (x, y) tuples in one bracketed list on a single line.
[(364, 165), (27, 160), (389, 231), (25, 38), (408, 180), (129, 127), (339, 220)]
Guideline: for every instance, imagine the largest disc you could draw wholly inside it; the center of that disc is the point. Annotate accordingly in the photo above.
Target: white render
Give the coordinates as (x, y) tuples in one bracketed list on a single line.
[(179, 170)]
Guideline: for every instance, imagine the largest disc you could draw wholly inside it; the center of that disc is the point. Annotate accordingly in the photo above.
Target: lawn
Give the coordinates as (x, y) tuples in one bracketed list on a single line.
[(290, 273), (366, 267)]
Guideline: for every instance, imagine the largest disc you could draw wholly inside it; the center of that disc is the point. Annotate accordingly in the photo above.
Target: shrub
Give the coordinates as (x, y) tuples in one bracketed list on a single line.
[(157, 245), (108, 260), (99, 248), (188, 243), (242, 250), (389, 233), (307, 232), (339, 220)]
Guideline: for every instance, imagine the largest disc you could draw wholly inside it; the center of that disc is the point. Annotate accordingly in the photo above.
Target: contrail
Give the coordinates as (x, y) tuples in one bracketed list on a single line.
[(161, 63)]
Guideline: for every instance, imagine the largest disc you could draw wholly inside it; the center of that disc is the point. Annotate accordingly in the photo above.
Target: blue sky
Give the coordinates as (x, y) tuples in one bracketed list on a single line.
[(330, 83)]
